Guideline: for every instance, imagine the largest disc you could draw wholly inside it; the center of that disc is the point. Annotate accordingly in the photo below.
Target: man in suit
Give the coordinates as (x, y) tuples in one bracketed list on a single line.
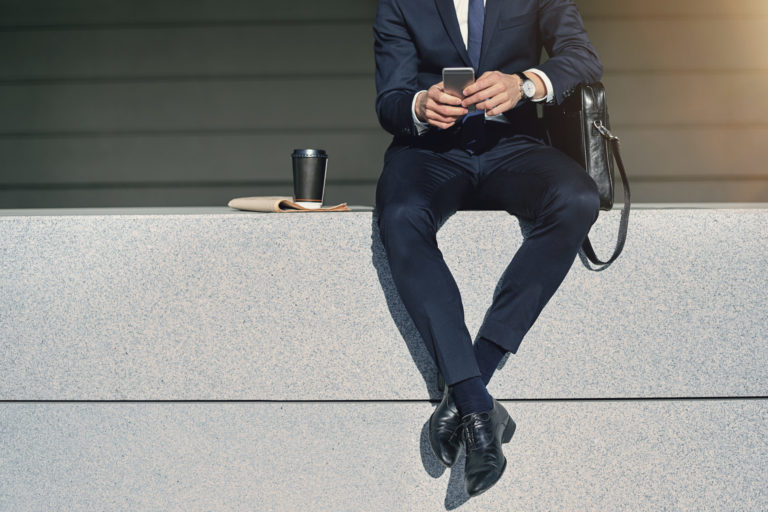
[(444, 158)]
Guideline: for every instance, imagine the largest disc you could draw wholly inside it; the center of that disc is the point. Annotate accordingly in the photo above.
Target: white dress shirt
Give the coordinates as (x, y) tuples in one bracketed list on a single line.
[(462, 11)]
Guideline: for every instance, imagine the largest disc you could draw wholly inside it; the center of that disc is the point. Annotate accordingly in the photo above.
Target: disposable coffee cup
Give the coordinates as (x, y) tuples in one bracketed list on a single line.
[(309, 170)]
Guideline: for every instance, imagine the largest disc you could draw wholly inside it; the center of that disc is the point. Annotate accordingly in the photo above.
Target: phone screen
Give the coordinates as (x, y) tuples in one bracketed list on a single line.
[(455, 80)]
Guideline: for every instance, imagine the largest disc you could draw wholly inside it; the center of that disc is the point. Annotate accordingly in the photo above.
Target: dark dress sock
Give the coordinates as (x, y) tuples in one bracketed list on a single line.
[(470, 395), (488, 355)]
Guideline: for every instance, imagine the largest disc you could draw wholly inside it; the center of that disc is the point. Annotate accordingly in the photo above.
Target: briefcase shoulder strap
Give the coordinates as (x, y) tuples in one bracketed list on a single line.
[(586, 246)]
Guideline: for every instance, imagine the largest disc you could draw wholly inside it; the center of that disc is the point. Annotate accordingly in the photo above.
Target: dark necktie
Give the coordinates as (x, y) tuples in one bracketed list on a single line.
[(475, 20), (472, 124)]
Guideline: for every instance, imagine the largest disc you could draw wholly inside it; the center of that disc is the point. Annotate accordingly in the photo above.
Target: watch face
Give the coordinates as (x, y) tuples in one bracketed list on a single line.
[(529, 88)]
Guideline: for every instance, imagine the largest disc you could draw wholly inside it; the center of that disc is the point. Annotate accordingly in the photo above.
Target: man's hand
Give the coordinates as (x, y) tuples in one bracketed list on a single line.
[(496, 92), (439, 108)]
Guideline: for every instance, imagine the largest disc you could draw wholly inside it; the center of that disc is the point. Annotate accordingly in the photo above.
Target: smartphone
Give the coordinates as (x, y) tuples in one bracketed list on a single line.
[(456, 80)]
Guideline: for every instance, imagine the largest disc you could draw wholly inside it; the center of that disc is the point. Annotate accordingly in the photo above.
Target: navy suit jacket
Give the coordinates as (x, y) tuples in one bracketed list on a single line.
[(416, 39)]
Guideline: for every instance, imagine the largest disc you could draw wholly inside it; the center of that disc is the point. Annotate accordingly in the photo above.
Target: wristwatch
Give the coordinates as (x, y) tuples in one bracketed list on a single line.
[(527, 87)]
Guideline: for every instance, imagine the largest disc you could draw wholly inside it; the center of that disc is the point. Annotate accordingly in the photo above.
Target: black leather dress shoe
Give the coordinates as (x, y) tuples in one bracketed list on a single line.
[(443, 429), (483, 434)]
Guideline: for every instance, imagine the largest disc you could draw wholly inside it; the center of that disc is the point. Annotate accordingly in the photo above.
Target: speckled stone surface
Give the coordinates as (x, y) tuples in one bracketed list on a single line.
[(302, 306), (569, 456)]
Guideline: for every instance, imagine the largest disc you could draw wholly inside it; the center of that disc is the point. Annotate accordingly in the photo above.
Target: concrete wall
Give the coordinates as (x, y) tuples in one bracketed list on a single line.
[(200, 361), (193, 103)]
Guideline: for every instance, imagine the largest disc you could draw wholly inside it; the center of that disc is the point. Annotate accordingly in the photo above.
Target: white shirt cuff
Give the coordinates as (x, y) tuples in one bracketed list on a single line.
[(547, 84), (420, 126)]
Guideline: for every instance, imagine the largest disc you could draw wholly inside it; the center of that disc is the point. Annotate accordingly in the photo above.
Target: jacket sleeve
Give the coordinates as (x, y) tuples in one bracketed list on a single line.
[(396, 69), (572, 58)]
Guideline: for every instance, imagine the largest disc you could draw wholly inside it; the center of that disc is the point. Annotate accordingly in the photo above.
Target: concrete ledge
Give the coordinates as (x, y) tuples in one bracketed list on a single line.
[(302, 306), (220, 210), (298, 312), (639, 456)]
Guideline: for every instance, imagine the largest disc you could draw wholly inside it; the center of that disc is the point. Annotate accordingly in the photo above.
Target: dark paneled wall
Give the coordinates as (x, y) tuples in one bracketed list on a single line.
[(116, 102)]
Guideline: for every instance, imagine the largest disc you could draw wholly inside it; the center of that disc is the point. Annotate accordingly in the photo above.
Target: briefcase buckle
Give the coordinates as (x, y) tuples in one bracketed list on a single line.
[(605, 132)]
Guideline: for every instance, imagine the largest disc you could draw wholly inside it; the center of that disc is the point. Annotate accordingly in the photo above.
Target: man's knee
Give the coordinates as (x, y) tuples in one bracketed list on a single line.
[(401, 223), (577, 203)]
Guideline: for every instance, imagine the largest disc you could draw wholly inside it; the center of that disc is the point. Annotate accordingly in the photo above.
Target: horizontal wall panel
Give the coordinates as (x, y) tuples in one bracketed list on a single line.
[(176, 158), (718, 153), (699, 191), (87, 12), (689, 99), (681, 44), (94, 12), (695, 151), (330, 457), (174, 195), (677, 8), (263, 50), (345, 48), (634, 99), (205, 105)]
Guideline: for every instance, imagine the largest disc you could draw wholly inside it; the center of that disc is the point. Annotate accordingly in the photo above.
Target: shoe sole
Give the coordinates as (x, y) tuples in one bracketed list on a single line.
[(509, 431)]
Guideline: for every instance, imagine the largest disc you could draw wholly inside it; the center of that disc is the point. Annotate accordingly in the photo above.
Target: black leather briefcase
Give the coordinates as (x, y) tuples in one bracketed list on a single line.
[(580, 127)]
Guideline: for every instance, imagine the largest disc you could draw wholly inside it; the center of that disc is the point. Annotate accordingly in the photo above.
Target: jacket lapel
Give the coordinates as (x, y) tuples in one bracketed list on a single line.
[(492, 13), (451, 23)]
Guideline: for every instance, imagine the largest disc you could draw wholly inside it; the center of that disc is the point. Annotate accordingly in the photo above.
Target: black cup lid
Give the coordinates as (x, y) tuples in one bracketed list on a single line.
[(309, 153)]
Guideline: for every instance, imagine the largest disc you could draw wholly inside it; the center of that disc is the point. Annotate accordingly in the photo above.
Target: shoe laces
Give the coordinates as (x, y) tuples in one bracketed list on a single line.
[(467, 427)]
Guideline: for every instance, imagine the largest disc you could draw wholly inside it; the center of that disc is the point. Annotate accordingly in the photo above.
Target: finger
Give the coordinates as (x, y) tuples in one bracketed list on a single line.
[(500, 109), (442, 119), (486, 91), (504, 101), (493, 101), (435, 118), (434, 93), (449, 99), (443, 98), (488, 106), (448, 110), (439, 95), (445, 110), (486, 80), (483, 95), (431, 115)]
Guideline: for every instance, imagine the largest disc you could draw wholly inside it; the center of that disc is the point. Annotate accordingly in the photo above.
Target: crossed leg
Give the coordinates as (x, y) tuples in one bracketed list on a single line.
[(558, 203), (419, 189)]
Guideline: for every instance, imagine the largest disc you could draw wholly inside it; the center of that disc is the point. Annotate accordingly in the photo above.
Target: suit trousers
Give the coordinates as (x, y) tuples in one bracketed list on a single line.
[(420, 188)]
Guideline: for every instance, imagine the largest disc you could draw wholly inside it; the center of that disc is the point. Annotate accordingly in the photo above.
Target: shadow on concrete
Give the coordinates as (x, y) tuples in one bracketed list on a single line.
[(456, 494), (400, 315), (402, 319)]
